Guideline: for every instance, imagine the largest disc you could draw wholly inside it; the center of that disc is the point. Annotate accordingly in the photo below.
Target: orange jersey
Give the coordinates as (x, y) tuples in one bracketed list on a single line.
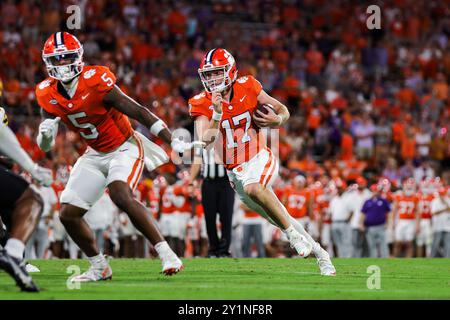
[(167, 206), (58, 187), (406, 205), (180, 190), (154, 203), (240, 139), (425, 205), (251, 214), (102, 127), (320, 205), (297, 202), (199, 211)]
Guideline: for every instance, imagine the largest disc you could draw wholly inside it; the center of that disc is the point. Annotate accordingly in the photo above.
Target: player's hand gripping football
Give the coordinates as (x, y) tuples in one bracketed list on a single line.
[(48, 127), (267, 119), (43, 175)]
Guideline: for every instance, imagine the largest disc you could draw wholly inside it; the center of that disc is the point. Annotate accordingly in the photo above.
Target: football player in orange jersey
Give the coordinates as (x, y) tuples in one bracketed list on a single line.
[(425, 237), (228, 106), (406, 217), (88, 101), (298, 201)]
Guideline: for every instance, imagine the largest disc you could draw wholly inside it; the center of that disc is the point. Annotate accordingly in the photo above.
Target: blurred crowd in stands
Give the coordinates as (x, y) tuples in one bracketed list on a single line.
[(365, 104)]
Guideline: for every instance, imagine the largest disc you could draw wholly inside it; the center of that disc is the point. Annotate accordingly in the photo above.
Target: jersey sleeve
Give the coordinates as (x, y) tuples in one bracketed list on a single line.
[(255, 85), (43, 96), (100, 78), (199, 106)]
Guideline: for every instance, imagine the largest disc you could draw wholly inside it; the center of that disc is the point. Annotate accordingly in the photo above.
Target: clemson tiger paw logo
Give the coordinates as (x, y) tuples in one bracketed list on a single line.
[(88, 74), (44, 84), (242, 79)]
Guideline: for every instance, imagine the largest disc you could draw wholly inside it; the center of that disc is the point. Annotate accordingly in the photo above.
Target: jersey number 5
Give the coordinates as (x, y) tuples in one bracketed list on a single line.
[(93, 130)]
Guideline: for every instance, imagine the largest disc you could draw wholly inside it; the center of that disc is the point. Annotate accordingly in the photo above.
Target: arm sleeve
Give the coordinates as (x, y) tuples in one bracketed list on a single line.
[(199, 106), (100, 78), (364, 208), (106, 80), (10, 146), (256, 85)]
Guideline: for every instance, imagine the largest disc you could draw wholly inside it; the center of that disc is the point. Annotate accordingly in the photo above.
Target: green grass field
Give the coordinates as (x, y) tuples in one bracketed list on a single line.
[(244, 279)]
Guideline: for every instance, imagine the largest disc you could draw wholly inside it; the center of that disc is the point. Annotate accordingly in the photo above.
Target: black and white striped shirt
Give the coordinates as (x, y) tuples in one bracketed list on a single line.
[(210, 169)]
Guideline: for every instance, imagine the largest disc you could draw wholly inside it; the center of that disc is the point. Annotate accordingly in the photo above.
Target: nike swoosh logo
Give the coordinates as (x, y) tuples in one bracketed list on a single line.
[(85, 96), (123, 150), (242, 98)]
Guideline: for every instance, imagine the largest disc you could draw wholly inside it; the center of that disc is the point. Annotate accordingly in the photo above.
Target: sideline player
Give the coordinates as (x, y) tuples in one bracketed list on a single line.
[(406, 213), (228, 106), (20, 205), (89, 102)]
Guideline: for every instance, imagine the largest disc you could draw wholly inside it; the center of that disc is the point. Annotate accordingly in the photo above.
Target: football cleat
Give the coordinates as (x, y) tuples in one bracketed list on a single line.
[(325, 264), (171, 265), (16, 269), (31, 268), (94, 274), (300, 244)]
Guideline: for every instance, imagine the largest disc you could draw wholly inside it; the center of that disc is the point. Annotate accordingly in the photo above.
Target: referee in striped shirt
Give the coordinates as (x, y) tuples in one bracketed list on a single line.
[(217, 198)]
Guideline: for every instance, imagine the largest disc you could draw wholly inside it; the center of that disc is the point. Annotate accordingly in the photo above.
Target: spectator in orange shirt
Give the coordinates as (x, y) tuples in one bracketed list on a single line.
[(408, 144), (440, 87), (177, 22), (346, 146), (315, 61)]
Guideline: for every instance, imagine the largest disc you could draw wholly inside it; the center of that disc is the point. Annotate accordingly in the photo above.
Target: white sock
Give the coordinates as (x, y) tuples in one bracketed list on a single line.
[(316, 249), (289, 231), (98, 260), (163, 249), (15, 248)]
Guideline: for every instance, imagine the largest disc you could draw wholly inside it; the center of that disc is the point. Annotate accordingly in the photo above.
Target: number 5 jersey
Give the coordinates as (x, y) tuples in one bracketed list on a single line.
[(102, 127)]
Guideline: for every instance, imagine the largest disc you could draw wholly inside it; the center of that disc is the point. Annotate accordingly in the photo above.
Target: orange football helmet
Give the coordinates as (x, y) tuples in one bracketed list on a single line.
[(217, 70), (63, 56)]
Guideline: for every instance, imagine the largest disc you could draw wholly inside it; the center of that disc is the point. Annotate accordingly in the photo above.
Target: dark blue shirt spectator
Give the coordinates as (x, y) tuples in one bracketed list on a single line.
[(375, 211)]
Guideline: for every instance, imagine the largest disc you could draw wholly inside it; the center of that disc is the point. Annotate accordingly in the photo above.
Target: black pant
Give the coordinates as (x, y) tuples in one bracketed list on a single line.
[(12, 186), (218, 197)]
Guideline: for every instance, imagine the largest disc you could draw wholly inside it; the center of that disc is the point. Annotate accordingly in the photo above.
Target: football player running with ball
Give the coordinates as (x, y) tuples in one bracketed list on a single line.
[(228, 106), (89, 102)]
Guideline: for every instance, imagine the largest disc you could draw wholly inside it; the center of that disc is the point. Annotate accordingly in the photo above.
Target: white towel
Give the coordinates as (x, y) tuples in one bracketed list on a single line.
[(155, 156)]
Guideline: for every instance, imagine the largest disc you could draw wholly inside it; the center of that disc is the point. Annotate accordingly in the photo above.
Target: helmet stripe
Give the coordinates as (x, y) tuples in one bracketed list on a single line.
[(210, 55), (58, 40)]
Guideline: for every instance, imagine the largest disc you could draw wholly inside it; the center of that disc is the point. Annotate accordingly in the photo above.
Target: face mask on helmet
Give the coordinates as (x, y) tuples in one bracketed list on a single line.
[(64, 66), (215, 79)]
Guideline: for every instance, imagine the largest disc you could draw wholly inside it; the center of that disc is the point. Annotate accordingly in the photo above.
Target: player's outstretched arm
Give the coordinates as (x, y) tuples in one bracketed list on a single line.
[(276, 117), (117, 99), (10, 146), (47, 131)]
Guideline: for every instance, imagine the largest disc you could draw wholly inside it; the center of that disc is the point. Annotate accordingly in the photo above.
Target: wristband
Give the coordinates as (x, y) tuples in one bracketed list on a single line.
[(216, 116), (157, 127), (281, 119)]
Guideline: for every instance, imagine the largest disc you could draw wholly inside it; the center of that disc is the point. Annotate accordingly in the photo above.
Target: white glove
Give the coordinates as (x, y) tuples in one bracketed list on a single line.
[(43, 175), (49, 127), (181, 146)]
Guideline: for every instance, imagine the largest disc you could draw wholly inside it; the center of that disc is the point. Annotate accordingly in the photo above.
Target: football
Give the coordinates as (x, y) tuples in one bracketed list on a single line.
[(263, 108)]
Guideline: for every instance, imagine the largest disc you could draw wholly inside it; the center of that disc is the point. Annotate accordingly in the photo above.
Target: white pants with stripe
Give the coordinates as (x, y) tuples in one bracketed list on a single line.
[(94, 171), (263, 169)]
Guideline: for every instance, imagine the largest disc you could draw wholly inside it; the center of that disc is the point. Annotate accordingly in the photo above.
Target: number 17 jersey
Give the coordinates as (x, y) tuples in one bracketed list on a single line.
[(240, 139), (102, 127)]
